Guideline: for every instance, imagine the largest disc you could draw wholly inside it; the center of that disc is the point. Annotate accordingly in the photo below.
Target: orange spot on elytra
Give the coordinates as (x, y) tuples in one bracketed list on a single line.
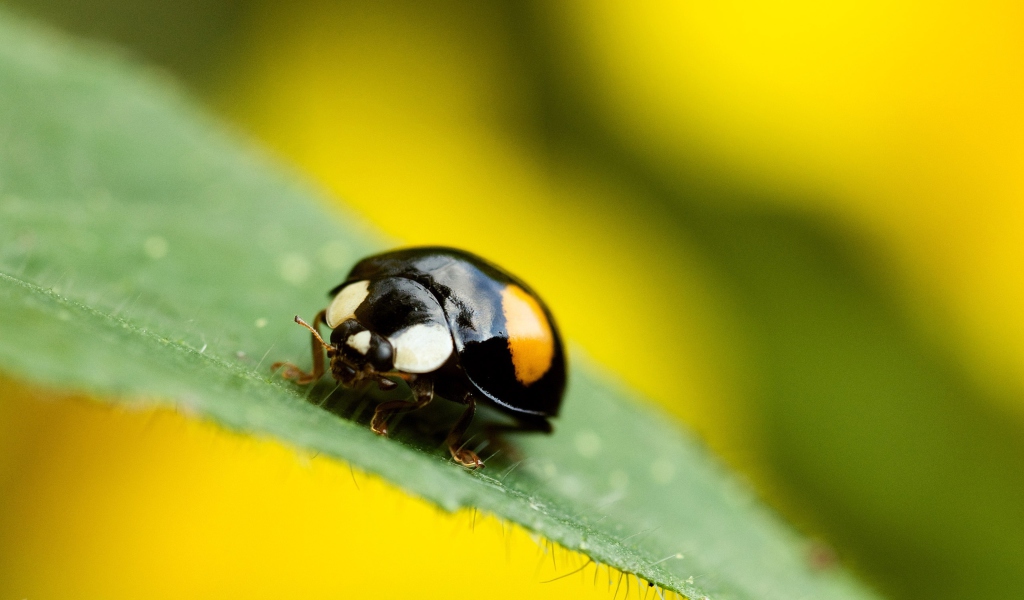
[(529, 334)]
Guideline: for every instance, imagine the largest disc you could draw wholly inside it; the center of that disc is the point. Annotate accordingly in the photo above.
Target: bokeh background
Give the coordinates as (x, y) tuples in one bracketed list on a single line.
[(796, 226)]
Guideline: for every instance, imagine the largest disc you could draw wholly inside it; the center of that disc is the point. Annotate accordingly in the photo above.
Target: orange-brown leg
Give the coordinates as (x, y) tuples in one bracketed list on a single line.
[(464, 457), (422, 394), (290, 371)]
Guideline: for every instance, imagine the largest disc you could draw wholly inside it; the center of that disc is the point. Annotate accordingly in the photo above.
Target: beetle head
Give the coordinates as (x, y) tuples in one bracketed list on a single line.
[(358, 354)]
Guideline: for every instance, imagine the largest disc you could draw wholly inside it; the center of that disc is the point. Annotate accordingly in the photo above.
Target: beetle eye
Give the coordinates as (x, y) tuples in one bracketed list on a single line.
[(347, 372), (380, 354)]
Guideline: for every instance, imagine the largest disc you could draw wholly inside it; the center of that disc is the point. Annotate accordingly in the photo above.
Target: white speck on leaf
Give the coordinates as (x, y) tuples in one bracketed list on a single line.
[(334, 255), (588, 444), (570, 486), (294, 268), (618, 479), (663, 471), (155, 247), (261, 323)]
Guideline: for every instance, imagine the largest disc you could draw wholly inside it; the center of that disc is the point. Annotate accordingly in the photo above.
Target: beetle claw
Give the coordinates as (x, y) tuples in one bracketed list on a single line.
[(290, 371), (379, 424), (466, 458)]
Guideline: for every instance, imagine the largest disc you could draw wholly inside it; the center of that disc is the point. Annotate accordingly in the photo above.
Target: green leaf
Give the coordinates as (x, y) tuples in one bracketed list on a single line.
[(149, 256)]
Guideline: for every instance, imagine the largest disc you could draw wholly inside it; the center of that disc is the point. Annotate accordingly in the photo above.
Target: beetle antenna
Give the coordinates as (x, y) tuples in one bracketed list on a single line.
[(315, 333)]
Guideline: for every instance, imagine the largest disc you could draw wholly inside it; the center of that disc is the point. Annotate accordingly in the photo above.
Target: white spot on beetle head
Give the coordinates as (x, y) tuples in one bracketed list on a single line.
[(422, 348), (344, 305), (360, 341)]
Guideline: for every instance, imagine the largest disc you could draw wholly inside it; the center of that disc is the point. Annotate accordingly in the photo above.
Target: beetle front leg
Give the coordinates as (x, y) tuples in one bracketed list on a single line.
[(464, 457), (290, 371), (422, 392)]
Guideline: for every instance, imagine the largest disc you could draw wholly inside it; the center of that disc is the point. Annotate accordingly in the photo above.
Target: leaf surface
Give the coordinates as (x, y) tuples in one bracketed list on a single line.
[(149, 256)]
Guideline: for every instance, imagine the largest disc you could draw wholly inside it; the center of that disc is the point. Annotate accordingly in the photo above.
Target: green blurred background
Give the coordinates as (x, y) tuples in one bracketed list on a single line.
[(797, 227)]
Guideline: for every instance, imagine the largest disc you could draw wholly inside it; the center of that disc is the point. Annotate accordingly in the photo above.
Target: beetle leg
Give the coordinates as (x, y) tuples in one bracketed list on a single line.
[(386, 385), (423, 393), (466, 458), (290, 371)]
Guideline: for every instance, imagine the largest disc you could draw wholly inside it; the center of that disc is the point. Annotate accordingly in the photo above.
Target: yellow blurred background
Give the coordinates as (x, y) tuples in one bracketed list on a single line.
[(703, 176)]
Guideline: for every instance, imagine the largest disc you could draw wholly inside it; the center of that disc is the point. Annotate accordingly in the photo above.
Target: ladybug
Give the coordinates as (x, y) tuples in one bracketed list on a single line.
[(450, 324)]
